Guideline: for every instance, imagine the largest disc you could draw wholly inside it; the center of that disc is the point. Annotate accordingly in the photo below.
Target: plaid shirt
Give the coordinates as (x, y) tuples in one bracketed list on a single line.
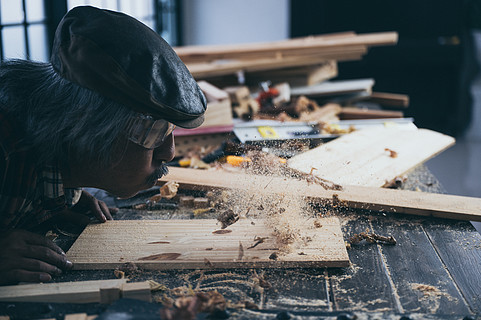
[(29, 193)]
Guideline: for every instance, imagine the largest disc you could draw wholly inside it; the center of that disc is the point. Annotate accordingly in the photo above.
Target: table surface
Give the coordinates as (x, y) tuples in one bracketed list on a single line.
[(433, 272)]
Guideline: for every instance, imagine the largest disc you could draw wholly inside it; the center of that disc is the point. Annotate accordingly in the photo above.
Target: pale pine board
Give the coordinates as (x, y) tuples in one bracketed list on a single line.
[(191, 244), (63, 292), (360, 158), (369, 198)]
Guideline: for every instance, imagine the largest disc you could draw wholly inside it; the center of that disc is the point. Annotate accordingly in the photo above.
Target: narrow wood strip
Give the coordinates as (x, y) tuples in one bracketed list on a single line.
[(63, 292), (459, 247), (370, 198), (206, 53)]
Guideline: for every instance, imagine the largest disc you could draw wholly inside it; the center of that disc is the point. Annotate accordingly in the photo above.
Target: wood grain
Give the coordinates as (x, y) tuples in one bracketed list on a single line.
[(194, 244), (369, 198), (360, 158)]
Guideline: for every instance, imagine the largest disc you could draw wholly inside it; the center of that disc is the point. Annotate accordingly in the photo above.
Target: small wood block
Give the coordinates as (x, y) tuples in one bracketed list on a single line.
[(186, 201), (109, 295), (201, 203), (4, 318), (137, 290), (211, 92), (76, 316)]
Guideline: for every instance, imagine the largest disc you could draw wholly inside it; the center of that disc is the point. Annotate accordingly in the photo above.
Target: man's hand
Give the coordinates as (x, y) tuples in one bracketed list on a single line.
[(98, 208), (29, 257)]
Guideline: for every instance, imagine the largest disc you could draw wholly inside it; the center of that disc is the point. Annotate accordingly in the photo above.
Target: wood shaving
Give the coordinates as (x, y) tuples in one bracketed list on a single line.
[(371, 238), (392, 153), (258, 241)]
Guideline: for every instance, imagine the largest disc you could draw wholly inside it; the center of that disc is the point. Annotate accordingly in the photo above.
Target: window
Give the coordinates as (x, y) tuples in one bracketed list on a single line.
[(159, 15), (23, 33), (27, 26)]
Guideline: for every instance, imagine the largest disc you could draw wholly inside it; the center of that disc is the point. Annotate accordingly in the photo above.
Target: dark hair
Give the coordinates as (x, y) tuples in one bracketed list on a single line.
[(60, 118)]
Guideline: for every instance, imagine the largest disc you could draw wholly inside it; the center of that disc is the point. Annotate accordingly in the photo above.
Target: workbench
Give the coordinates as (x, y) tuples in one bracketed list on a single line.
[(433, 272)]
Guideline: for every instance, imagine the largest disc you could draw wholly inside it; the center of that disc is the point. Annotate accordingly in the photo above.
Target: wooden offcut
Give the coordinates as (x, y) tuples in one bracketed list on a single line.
[(202, 244), (63, 292), (369, 198), (371, 157), (338, 87)]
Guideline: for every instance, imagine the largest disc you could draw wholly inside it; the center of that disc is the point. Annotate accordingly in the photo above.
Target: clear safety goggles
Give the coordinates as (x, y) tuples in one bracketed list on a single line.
[(148, 132)]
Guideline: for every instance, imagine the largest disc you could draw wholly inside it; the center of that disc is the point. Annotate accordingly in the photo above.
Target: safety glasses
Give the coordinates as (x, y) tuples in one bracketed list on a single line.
[(148, 132)]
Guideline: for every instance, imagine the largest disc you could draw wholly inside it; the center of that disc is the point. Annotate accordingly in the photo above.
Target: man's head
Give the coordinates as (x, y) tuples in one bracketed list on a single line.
[(123, 60)]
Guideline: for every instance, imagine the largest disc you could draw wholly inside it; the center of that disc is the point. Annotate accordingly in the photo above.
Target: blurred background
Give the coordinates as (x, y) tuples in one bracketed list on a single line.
[(436, 61)]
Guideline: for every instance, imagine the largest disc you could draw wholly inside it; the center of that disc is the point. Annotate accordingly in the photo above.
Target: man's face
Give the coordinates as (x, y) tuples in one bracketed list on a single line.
[(134, 168)]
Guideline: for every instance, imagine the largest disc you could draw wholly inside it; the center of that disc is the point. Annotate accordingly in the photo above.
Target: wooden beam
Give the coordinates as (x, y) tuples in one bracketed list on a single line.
[(370, 198)]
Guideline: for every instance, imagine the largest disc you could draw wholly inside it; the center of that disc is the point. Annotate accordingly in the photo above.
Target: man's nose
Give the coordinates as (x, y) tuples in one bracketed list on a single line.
[(166, 151)]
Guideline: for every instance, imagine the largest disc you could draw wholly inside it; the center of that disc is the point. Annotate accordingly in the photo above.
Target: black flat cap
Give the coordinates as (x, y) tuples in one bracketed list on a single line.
[(123, 59)]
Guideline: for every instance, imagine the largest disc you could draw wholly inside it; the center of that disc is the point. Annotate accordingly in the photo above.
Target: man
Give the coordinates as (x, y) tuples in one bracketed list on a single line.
[(101, 115)]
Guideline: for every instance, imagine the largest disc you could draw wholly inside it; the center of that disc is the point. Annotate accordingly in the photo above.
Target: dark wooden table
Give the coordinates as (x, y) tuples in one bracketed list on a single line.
[(433, 272)]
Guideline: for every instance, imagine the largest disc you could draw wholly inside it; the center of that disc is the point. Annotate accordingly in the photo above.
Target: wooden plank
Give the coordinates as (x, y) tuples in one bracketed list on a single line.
[(365, 286), (459, 247), (371, 157), (298, 289), (350, 113), (418, 274), (296, 76), (195, 244), (213, 52), (369, 198), (137, 291), (212, 93), (202, 70), (334, 88), (218, 114), (63, 292), (76, 316), (390, 99)]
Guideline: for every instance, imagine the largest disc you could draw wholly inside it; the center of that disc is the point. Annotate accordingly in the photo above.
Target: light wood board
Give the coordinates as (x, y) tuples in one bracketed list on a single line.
[(292, 46), (334, 88), (360, 158), (369, 198), (198, 244), (63, 292)]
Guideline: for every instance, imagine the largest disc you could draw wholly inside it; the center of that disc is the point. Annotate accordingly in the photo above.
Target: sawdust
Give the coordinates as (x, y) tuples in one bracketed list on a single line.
[(431, 296)]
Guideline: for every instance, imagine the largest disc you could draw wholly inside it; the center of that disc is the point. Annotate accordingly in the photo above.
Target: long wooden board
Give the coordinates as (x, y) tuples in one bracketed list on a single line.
[(360, 158), (63, 292), (370, 198), (292, 46), (198, 244)]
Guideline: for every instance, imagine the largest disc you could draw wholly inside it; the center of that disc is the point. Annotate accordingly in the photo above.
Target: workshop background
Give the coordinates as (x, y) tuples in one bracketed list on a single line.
[(436, 61)]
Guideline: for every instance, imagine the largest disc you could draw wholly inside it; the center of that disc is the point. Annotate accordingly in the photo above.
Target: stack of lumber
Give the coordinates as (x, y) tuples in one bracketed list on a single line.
[(218, 60)]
